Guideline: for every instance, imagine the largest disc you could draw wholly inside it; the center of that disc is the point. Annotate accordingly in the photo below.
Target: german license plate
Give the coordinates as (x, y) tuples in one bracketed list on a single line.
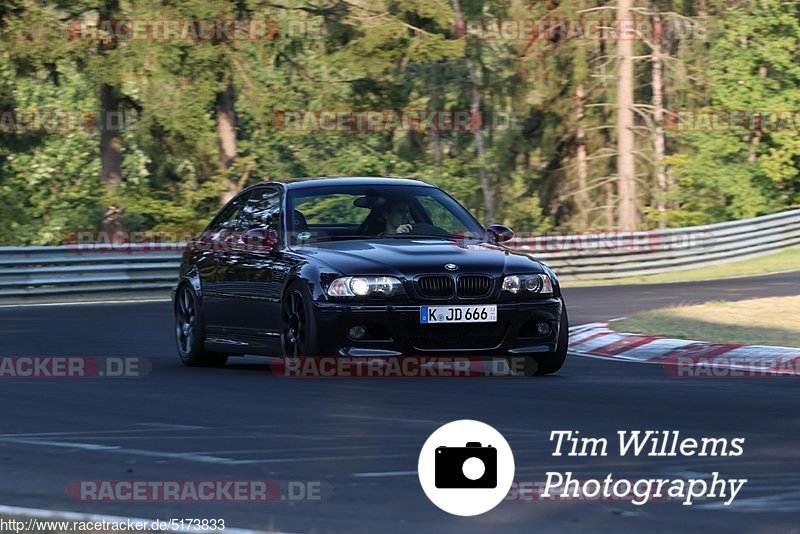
[(457, 314)]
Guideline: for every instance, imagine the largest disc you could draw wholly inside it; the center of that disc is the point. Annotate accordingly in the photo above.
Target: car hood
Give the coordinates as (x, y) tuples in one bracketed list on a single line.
[(409, 257)]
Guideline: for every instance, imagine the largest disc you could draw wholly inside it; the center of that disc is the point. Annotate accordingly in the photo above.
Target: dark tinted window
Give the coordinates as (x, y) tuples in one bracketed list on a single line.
[(226, 219), (263, 210)]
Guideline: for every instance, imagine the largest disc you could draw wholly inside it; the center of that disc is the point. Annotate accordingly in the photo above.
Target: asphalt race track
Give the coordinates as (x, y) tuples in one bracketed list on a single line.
[(361, 437)]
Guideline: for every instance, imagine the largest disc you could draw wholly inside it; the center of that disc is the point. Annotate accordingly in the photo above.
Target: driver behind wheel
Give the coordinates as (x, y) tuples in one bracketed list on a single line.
[(397, 217)]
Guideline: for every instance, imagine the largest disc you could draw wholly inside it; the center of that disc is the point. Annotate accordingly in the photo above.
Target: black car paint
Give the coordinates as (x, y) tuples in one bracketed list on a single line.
[(240, 290)]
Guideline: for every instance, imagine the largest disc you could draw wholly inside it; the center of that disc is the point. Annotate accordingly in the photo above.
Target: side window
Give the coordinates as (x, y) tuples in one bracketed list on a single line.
[(262, 210), (226, 219)]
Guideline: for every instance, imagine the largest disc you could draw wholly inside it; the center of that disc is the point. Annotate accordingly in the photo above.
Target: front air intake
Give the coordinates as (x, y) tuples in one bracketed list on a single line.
[(435, 286), (474, 286)]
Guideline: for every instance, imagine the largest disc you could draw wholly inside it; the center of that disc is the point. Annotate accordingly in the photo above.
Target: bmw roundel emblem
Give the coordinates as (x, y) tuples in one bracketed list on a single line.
[(451, 266)]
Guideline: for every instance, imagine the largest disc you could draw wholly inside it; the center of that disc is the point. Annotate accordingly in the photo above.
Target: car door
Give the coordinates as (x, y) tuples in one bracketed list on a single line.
[(214, 244), (252, 289)]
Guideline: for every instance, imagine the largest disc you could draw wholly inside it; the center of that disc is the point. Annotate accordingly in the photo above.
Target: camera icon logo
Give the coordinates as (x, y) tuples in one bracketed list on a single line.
[(466, 467), (472, 466)]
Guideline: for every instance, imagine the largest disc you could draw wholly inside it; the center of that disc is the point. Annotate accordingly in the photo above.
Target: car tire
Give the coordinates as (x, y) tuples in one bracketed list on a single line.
[(300, 329), (551, 362), (190, 331)]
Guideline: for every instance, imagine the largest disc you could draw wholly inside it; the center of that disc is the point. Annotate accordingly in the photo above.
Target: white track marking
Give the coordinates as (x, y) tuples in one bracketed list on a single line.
[(81, 433), (188, 456), (616, 359), (86, 303), (381, 474), (122, 450), (384, 419), (324, 459), (786, 501), (294, 449), (169, 426), (63, 444)]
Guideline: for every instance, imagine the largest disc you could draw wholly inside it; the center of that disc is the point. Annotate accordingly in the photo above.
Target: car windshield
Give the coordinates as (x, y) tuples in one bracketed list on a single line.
[(371, 211)]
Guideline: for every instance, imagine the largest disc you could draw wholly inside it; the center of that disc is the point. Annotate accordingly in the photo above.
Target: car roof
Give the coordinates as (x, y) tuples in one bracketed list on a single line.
[(300, 183)]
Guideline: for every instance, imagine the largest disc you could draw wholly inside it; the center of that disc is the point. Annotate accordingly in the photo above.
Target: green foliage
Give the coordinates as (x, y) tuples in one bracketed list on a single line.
[(754, 65), (48, 180), (401, 55)]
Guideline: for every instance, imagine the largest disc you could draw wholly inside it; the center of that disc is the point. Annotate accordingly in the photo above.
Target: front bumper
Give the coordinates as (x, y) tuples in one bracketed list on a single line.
[(394, 330)]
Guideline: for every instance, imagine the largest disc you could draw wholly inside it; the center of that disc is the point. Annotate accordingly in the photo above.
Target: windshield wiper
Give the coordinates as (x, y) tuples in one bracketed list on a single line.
[(447, 237), (323, 239)]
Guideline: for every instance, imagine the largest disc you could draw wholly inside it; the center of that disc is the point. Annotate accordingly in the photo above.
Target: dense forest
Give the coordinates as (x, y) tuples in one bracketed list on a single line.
[(581, 115)]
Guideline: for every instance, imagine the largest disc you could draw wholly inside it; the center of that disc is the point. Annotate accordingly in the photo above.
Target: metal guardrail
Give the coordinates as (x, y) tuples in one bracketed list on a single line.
[(616, 255), (69, 271)]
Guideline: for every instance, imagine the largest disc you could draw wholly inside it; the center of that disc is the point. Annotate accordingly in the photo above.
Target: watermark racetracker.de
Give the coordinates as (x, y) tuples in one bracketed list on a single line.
[(417, 120), (29, 121), (126, 241), (706, 364), (73, 367), (646, 29), (399, 366), (732, 120), (183, 29), (138, 491)]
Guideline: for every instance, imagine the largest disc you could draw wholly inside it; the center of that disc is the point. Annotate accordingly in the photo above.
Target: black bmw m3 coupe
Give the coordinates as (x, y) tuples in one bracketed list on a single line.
[(356, 267)]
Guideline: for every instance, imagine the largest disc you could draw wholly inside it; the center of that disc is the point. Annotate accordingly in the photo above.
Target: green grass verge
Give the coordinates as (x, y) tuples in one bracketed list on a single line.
[(766, 321), (785, 260)]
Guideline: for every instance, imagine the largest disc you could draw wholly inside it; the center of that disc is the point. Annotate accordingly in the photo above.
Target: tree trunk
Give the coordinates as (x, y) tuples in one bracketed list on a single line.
[(476, 125), (658, 120), (582, 195), (110, 133), (226, 132), (627, 214), (477, 133), (671, 203), (436, 102), (608, 190), (755, 140), (110, 154)]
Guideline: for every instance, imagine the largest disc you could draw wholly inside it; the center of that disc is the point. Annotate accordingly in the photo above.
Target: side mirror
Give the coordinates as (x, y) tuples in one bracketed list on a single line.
[(260, 240), (500, 233)]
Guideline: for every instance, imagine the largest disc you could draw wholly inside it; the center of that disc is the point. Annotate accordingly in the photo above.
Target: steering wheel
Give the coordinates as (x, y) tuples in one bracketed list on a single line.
[(427, 228)]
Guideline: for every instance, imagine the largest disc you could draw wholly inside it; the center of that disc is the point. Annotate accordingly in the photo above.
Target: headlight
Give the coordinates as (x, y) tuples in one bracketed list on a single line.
[(539, 284), (362, 286)]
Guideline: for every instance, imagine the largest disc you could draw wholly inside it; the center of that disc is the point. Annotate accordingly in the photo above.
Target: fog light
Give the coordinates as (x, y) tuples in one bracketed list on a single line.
[(542, 329), (357, 332)]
